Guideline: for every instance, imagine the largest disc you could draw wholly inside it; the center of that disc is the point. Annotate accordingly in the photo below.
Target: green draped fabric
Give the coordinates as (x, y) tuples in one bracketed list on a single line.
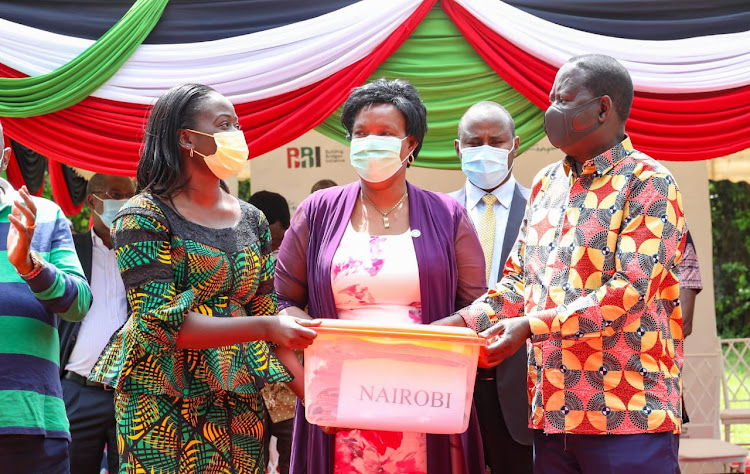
[(73, 82), (450, 77)]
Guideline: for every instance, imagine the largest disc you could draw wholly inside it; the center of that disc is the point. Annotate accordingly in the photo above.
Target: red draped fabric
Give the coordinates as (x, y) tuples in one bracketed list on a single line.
[(678, 127), (60, 192), (105, 136)]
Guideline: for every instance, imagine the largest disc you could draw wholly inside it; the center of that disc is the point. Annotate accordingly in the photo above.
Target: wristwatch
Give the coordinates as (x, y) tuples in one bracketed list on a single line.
[(37, 265)]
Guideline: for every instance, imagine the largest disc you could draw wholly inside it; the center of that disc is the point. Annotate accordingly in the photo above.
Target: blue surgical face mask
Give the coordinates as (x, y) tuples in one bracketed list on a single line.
[(376, 158), (111, 208), (485, 166)]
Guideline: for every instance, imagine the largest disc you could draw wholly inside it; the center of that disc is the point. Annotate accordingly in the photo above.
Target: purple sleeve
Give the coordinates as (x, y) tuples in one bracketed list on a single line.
[(291, 264), (472, 280)]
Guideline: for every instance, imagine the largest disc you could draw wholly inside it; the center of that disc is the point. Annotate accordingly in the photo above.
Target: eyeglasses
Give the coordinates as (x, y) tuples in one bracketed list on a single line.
[(114, 195)]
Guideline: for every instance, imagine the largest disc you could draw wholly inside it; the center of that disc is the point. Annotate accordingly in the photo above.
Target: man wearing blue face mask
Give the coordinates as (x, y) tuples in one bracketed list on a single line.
[(487, 145), (89, 405)]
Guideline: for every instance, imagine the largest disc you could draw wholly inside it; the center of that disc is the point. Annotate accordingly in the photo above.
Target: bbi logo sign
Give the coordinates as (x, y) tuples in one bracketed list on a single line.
[(303, 157)]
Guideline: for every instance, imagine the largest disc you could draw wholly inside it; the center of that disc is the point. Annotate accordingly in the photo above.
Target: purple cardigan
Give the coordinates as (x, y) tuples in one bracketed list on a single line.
[(303, 278)]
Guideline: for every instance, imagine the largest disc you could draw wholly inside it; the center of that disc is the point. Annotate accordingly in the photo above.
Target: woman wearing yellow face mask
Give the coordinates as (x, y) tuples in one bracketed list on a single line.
[(188, 364)]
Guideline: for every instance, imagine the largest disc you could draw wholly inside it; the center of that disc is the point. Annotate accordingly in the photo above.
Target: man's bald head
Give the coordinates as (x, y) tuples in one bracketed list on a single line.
[(604, 75), (486, 112)]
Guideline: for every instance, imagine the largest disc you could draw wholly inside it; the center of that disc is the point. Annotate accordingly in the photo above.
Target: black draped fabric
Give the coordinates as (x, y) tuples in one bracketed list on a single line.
[(183, 21), (32, 166), (644, 19), (76, 185)]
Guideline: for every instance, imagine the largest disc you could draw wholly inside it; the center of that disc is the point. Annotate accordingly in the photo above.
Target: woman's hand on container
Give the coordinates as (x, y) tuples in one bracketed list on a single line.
[(292, 333)]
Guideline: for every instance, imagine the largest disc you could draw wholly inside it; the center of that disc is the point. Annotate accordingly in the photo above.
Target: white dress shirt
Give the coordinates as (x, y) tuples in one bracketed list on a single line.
[(475, 206), (109, 309)]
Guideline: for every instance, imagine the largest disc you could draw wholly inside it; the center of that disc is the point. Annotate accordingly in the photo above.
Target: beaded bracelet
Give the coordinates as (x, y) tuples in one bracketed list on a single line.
[(38, 266)]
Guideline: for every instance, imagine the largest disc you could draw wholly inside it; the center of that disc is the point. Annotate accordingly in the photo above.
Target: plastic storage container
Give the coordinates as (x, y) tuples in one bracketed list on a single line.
[(417, 378)]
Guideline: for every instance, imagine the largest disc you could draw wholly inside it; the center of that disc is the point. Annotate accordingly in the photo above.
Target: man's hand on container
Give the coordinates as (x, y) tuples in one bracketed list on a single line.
[(503, 340)]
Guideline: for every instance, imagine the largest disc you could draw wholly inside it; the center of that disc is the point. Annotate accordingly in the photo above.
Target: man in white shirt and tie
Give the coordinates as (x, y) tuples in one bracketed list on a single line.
[(487, 145), (90, 405)]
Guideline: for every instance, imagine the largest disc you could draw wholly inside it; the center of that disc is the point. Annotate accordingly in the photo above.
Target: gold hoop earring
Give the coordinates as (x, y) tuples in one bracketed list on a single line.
[(191, 153)]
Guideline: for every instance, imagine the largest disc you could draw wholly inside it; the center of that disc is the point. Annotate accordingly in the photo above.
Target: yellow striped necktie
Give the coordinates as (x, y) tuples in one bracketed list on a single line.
[(486, 230)]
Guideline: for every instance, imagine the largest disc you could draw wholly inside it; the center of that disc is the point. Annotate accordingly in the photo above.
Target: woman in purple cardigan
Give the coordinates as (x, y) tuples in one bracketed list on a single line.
[(381, 249)]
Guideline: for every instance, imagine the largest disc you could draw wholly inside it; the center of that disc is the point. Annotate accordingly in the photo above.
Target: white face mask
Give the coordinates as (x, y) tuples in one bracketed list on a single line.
[(485, 166), (376, 158), (111, 208)]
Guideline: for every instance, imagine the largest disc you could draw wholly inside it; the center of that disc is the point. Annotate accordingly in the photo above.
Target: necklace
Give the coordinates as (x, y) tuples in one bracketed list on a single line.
[(386, 221)]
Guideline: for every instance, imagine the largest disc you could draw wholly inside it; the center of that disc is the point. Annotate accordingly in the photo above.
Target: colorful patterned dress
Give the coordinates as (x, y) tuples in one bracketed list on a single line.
[(185, 410), (376, 278)]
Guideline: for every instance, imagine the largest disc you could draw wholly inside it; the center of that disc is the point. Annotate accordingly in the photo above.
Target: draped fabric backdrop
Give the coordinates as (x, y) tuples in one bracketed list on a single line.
[(77, 78), (450, 77)]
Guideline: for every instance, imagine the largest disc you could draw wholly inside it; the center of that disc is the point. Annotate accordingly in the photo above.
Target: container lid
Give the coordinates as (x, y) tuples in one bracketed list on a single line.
[(407, 331)]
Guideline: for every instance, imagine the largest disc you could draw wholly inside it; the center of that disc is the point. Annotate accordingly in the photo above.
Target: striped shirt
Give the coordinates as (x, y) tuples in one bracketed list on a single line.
[(31, 400)]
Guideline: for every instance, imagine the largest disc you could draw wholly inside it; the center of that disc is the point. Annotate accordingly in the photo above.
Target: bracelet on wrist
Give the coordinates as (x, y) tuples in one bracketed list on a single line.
[(36, 268)]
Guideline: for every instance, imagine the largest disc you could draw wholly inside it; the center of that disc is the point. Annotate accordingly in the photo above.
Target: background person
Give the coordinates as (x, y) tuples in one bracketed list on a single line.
[(323, 184), (276, 209), (487, 146), (690, 284), (90, 405), (279, 399)]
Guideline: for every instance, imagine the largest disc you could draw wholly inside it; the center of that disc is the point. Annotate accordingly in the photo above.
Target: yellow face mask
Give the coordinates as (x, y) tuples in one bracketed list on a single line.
[(231, 153)]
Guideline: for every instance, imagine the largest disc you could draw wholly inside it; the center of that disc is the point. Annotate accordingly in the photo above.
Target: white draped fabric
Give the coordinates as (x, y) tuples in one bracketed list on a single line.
[(244, 68), (690, 65)]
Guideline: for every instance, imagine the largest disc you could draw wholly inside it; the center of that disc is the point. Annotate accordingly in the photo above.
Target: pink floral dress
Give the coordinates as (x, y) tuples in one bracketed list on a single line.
[(376, 278)]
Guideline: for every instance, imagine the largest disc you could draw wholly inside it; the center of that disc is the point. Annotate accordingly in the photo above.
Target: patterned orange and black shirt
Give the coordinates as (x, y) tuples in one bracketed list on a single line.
[(595, 269)]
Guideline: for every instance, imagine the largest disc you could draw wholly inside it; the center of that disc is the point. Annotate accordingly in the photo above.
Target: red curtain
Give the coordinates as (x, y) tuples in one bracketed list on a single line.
[(678, 127), (105, 136), (60, 192)]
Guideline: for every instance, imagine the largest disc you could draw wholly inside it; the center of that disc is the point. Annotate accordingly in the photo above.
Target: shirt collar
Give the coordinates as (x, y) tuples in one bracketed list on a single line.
[(98, 242), (600, 164), (503, 193)]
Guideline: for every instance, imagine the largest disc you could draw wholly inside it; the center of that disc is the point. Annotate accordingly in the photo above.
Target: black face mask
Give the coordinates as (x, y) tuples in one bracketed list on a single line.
[(558, 124)]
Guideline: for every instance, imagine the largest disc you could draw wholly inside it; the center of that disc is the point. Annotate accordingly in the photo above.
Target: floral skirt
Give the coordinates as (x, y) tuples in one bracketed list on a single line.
[(369, 451), (219, 433)]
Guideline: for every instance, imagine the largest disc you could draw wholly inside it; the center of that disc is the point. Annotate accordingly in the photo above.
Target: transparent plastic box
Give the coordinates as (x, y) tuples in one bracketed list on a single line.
[(414, 378)]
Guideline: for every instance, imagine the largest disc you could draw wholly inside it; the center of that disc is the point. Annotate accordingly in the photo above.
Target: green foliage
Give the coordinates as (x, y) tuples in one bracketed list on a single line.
[(243, 190), (730, 214)]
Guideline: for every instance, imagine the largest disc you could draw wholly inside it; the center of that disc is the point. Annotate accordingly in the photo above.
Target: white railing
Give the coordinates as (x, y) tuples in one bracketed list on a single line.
[(735, 385)]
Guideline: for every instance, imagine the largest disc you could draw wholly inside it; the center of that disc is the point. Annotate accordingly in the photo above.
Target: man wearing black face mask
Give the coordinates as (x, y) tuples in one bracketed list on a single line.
[(594, 285)]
